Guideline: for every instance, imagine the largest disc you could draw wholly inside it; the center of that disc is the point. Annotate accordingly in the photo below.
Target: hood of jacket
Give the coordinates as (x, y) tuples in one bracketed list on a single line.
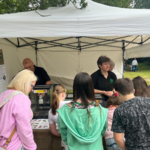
[(85, 128)]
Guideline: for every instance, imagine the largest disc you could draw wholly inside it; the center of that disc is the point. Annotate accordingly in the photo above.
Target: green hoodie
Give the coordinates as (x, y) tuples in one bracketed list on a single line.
[(79, 132)]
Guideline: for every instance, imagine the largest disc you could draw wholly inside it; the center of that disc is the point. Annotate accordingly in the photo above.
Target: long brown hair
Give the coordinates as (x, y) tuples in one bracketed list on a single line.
[(141, 87), (83, 89), (58, 89)]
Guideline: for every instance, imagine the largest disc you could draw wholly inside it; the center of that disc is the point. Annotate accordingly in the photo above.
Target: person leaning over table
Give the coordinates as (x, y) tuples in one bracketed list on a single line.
[(16, 113), (40, 73), (104, 79)]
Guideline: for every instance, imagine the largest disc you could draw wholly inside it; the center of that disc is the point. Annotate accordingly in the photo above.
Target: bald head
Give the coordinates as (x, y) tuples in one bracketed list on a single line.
[(28, 64)]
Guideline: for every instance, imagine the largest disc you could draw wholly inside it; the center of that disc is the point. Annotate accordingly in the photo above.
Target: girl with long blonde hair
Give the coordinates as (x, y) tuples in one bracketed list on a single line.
[(58, 97)]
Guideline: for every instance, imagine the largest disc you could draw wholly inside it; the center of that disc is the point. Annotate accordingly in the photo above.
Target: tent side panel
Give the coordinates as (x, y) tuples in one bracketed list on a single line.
[(11, 59), (139, 51), (61, 66)]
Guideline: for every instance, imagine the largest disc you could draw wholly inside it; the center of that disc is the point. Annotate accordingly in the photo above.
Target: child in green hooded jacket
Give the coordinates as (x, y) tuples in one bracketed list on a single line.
[(82, 123)]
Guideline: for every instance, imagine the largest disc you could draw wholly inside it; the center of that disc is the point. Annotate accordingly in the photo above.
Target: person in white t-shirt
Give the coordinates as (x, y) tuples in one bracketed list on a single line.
[(134, 65), (58, 97)]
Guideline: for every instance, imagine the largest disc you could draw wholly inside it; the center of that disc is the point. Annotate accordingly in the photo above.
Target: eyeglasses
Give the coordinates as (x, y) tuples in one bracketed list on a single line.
[(32, 85)]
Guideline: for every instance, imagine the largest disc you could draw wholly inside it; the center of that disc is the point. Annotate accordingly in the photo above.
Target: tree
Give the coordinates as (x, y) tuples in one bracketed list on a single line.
[(13, 6), (141, 3), (116, 3)]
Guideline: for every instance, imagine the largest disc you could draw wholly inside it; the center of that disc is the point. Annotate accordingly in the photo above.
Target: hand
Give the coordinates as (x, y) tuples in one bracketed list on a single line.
[(104, 93), (43, 94), (109, 93)]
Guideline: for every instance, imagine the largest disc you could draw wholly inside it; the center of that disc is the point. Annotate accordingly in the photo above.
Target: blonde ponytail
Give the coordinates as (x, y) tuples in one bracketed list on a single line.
[(55, 103), (58, 89)]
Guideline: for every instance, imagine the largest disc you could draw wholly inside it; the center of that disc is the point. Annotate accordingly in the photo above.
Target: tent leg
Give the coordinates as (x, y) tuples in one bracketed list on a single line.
[(36, 49), (123, 50), (18, 42)]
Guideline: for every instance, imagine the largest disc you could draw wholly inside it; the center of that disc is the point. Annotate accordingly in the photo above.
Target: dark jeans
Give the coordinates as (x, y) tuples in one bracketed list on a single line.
[(124, 67), (134, 68)]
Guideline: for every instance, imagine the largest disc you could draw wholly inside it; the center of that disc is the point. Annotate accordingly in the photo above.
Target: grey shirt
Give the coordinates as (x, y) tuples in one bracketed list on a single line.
[(132, 117)]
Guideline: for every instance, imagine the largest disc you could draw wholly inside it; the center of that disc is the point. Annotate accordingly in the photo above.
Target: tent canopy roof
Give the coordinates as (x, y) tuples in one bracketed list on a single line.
[(95, 20)]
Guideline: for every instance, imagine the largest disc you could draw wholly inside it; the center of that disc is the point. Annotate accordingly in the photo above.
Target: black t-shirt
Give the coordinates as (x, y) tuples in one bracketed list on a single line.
[(103, 84), (132, 117), (42, 76)]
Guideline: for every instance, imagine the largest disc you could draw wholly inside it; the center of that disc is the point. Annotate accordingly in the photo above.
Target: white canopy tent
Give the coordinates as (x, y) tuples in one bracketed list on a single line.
[(138, 51), (71, 40)]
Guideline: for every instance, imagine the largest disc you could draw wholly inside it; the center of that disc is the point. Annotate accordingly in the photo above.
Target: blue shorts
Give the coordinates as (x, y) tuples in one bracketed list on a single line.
[(111, 144)]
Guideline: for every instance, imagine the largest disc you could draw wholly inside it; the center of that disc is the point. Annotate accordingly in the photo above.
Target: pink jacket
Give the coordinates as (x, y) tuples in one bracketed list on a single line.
[(109, 134), (16, 112)]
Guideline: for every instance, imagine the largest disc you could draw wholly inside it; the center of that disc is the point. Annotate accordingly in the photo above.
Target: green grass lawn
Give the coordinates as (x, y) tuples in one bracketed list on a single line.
[(69, 91), (144, 66), (144, 74)]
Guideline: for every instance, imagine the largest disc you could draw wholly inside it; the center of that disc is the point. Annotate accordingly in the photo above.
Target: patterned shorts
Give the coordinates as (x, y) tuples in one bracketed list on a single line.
[(111, 144)]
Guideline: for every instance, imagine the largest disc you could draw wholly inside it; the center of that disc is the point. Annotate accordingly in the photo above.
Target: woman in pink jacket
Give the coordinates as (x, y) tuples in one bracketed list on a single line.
[(16, 113), (112, 104)]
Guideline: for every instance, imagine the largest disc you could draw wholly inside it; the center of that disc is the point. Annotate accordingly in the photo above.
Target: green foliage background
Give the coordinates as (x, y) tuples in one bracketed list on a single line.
[(142, 4), (13, 6), (116, 3)]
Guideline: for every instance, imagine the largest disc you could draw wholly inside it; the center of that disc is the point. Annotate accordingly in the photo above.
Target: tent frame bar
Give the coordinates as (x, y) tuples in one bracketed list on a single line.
[(10, 42), (78, 45), (18, 42), (123, 50), (132, 41), (36, 49), (55, 44), (27, 43), (146, 40)]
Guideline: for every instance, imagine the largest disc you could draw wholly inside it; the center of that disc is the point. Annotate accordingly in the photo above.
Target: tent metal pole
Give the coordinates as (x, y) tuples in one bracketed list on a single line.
[(123, 50), (45, 41), (141, 39), (101, 45), (36, 49), (10, 42), (114, 40), (18, 42), (146, 40), (132, 41), (54, 44), (28, 44), (79, 43)]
